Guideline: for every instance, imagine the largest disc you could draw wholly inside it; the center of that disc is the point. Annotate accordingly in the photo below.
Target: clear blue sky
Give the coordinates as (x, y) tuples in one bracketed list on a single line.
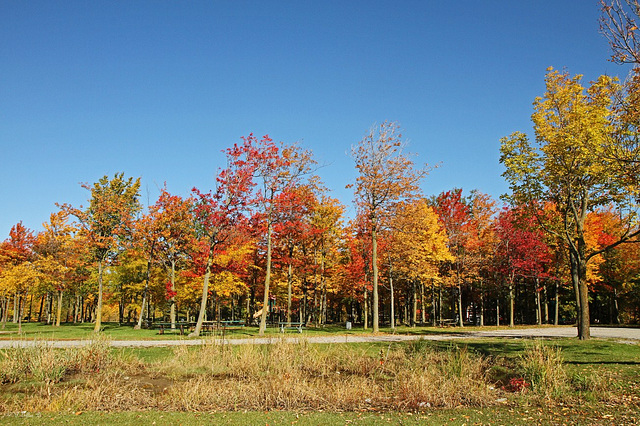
[(158, 88)]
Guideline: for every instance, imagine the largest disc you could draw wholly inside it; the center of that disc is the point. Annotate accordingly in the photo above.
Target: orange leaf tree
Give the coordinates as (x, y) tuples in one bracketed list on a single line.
[(386, 177), (107, 222)]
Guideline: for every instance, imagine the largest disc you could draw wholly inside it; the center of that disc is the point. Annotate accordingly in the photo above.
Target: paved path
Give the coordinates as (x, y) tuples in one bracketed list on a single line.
[(627, 334)]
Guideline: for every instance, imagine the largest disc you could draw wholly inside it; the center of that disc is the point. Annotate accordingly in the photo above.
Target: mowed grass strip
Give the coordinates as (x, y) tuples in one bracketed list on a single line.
[(115, 331)]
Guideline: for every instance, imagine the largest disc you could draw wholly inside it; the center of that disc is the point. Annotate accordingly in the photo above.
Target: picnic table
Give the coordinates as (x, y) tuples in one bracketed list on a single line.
[(447, 322), (180, 327), (284, 325)]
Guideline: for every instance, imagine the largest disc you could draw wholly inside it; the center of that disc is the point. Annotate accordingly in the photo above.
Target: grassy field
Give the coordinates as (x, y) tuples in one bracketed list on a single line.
[(479, 381), (126, 332)]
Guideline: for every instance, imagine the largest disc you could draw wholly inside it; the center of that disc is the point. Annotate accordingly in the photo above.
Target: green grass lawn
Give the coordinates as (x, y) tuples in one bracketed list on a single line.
[(116, 331), (484, 416), (126, 332)]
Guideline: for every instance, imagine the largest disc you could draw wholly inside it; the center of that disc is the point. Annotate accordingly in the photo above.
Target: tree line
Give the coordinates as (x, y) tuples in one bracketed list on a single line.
[(269, 243)]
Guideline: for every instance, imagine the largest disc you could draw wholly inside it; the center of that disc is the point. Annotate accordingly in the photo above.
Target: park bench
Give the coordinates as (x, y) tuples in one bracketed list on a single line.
[(284, 325)]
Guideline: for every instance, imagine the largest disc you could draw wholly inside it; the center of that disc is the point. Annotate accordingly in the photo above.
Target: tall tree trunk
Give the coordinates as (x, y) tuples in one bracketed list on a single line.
[(423, 314), (481, 303), (145, 296), (15, 307), (575, 280), (546, 304), (98, 325), (538, 303), (414, 304), (433, 303), (366, 309), (59, 309), (172, 314), (19, 314), (556, 308), (30, 307), (267, 282), (324, 303), (461, 320), (374, 267), (41, 308), (616, 313), (584, 332), (5, 306), (511, 302), (49, 307), (289, 285), (205, 295), (498, 311), (393, 302), (440, 304)]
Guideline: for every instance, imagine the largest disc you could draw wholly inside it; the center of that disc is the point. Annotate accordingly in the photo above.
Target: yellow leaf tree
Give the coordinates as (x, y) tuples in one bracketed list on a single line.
[(420, 246), (574, 126)]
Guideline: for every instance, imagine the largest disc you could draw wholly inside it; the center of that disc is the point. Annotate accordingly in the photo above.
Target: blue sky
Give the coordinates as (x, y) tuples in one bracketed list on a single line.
[(157, 89)]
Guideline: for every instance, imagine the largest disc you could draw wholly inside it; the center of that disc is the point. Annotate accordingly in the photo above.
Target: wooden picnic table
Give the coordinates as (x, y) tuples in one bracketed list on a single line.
[(180, 327), (447, 322)]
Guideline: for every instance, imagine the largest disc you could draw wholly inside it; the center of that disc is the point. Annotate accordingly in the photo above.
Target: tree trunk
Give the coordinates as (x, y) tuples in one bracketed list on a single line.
[(205, 295), (440, 304), (579, 278), (557, 306), (584, 332), (41, 308), (5, 307), (546, 304), (267, 282), (289, 285), (433, 303), (511, 303), (19, 300), (98, 325), (615, 317), (538, 303), (172, 314), (461, 320), (481, 303), (15, 307), (366, 309), (374, 267), (423, 314), (575, 280), (414, 304), (393, 303), (30, 308), (59, 309)]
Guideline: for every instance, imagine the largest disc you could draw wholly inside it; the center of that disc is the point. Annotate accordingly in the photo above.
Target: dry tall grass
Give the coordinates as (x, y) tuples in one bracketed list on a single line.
[(284, 375)]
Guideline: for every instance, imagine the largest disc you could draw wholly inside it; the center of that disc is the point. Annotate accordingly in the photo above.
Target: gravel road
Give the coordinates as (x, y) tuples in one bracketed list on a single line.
[(631, 335)]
